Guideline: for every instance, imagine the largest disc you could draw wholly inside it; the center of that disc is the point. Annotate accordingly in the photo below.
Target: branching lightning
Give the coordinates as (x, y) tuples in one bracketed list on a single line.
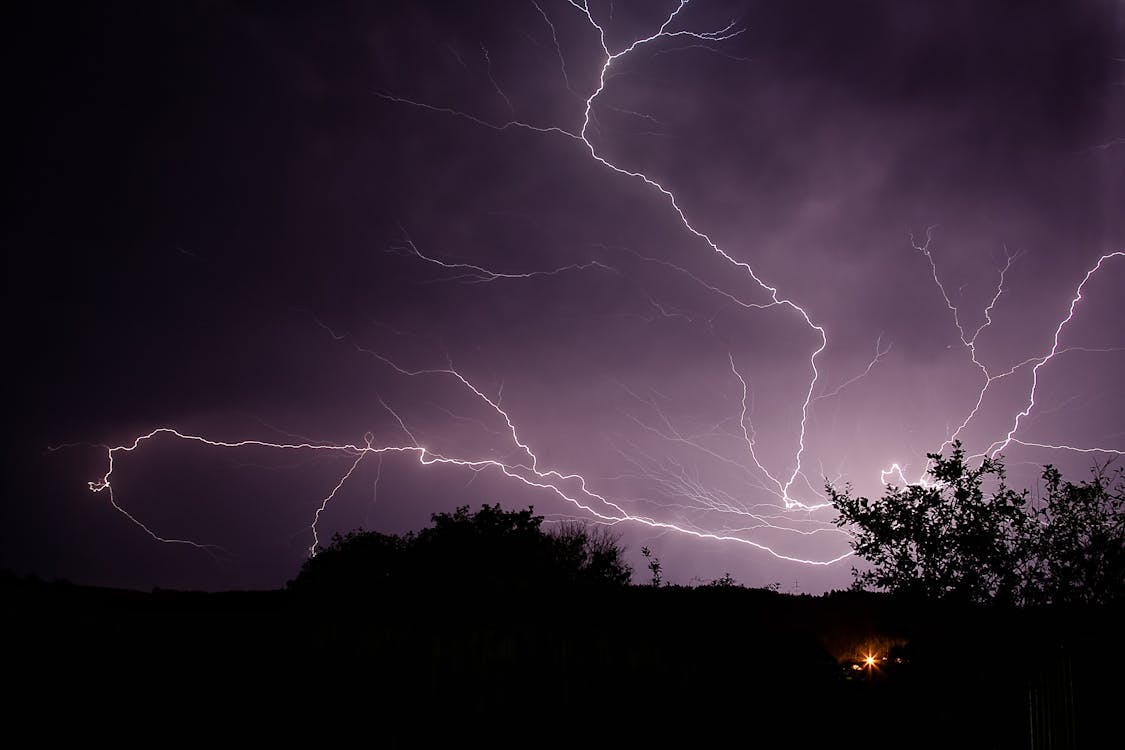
[(1037, 362), (677, 488), (469, 273), (1000, 445)]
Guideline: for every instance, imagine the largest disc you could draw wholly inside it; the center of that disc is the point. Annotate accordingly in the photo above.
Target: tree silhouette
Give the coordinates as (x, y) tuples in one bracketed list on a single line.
[(944, 539), (949, 538), (1080, 547), (359, 562), (491, 549), (654, 567), (595, 555)]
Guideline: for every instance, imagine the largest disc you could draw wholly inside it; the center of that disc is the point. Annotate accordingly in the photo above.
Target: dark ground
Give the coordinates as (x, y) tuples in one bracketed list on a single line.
[(615, 667)]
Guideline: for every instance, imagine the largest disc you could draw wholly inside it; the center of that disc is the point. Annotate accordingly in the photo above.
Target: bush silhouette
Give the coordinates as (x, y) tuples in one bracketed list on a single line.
[(490, 549), (357, 562)]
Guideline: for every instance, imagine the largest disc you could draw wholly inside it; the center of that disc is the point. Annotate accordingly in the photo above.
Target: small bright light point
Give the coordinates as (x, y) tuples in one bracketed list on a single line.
[(869, 660)]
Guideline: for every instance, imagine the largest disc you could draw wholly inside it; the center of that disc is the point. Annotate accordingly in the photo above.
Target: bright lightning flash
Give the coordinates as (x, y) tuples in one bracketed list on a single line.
[(792, 497)]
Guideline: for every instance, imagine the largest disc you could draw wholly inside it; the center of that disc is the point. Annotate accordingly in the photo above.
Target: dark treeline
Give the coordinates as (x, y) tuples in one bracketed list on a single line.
[(491, 549), (493, 626)]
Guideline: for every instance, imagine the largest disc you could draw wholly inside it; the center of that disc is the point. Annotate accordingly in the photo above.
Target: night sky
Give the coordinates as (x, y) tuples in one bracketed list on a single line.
[(254, 220)]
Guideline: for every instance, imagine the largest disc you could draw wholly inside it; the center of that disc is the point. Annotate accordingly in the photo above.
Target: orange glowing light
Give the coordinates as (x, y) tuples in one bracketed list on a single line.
[(869, 660)]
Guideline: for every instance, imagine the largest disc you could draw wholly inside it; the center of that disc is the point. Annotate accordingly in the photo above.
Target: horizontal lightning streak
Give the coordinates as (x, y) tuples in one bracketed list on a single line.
[(1108, 451), (474, 274)]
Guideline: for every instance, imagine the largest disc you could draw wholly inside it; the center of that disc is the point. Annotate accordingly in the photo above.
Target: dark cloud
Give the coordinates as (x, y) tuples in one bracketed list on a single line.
[(205, 191)]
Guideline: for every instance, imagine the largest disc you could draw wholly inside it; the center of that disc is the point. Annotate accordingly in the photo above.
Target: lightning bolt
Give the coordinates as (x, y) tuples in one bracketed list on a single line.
[(1000, 445), (677, 487), (469, 273), (880, 355), (1037, 362)]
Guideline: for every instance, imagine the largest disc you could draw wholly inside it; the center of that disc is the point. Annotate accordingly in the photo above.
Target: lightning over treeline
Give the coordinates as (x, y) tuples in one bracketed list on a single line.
[(668, 281)]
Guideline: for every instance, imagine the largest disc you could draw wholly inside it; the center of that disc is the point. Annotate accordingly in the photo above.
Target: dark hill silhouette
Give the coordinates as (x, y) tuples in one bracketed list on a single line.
[(713, 662)]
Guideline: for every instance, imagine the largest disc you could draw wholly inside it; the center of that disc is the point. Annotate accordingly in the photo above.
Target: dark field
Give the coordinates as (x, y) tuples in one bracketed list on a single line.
[(578, 666)]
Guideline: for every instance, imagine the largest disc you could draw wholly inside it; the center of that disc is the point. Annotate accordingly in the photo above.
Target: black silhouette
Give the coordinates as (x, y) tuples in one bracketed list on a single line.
[(491, 549), (951, 539), (1080, 541), (654, 566)]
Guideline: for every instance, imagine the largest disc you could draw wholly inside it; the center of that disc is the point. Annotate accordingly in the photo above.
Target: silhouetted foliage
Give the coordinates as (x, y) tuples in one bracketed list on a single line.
[(951, 538), (357, 562), (595, 553), (491, 548), (1080, 545), (944, 539), (726, 581), (654, 566)]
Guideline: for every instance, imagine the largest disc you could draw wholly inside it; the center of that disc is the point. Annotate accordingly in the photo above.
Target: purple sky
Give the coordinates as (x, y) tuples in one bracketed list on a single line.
[(250, 221)]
